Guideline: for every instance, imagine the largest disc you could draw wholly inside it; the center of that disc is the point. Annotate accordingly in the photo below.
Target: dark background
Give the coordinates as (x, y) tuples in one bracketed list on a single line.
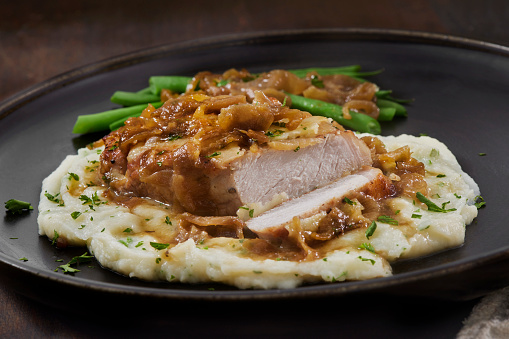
[(41, 39)]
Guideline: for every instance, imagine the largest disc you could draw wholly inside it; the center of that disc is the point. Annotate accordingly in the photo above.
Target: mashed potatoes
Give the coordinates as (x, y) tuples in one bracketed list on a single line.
[(136, 240)]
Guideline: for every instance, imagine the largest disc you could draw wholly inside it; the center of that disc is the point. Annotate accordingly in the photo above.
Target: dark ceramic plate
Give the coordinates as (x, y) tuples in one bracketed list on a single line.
[(460, 91)]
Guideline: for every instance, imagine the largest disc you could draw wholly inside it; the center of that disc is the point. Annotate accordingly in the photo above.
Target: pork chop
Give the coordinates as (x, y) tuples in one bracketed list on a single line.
[(212, 155)]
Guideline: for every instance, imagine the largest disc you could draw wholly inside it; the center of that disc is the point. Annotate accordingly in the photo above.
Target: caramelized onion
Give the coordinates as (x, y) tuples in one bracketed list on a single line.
[(228, 221), (364, 107)]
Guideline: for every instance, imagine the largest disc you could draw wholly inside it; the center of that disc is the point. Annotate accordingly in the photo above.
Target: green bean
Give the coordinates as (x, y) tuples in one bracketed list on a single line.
[(146, 90), (359, 122), (400, 110), (131, 98), (120, 122), (138, 101), (101, 121), (172, 82), (383, 94), (386, 94), (386, 113), (302, 72)]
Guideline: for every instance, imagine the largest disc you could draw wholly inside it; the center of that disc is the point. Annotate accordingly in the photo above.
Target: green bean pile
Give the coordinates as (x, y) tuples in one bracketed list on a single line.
[(135, 102)]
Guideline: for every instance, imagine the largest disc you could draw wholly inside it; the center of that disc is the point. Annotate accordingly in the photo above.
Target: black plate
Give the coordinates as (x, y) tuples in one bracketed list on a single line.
[(460, 91)]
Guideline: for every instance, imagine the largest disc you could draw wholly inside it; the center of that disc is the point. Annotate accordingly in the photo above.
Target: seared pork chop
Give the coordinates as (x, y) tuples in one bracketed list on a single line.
[(206, 155)]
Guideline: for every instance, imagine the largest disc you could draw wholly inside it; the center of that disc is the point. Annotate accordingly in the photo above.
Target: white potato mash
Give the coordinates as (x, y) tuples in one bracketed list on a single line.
[(135, 241)]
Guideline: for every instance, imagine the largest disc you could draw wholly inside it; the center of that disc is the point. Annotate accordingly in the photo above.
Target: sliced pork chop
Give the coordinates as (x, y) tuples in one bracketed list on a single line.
[(212, 155), (259, 176), (271, 224)]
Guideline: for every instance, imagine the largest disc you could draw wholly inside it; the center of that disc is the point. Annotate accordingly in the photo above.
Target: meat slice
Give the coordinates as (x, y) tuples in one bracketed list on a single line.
[(259, 176), (271, 224)]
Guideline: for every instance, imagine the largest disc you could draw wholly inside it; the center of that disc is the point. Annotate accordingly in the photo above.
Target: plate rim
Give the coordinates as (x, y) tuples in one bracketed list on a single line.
[(32, 93)]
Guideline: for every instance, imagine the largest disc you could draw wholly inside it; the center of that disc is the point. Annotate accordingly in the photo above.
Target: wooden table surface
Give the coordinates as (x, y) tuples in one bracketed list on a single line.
[(41, 39)]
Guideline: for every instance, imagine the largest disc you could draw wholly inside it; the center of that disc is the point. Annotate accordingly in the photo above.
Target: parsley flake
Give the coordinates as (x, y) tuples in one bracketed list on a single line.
[(431, 205), (215, 154), (67, 268), (479, 202), (74, 176), (371, 229), (159, 246), (17, 206), (75, 215), (55, 237), (367, 259), (388, 220), (349, 202), (367, 246)]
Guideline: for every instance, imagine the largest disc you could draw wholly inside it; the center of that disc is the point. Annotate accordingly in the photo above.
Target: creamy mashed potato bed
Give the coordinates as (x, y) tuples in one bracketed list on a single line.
[(134, 241), (448, 184)]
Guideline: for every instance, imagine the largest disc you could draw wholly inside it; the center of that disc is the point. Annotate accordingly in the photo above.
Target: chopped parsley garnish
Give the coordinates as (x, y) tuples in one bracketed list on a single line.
[(74, 176), (367, 259), (479, 202), (23, 259), (67, 268), (367, 246), (297, 149), (17, 206), (75, 215), (126, 242), (371, 229), (388, 220), (349, 202), (93, 201), (172, 137), (54, 198), (274, 133), (251, 210), (431, 205), (434, 153), (55, 237), (167, 220), (215, 154), (159, 246)]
